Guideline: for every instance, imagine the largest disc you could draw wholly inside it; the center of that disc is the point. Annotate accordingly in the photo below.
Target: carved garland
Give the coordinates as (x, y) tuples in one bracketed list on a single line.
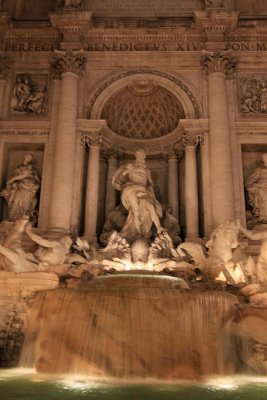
[(162, 74)]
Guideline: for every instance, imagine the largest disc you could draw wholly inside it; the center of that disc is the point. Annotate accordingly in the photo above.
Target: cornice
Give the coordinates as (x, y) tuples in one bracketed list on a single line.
[(251, 128), (71, 21), (48, 38), (91, 129), (180, 33), (20, 39), (24, 128)]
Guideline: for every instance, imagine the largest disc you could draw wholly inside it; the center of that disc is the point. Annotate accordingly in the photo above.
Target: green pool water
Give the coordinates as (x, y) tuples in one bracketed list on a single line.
[(36, 387)]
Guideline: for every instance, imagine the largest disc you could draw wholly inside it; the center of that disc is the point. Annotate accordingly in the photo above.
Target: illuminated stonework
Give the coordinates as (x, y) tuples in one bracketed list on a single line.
[(143, 110)]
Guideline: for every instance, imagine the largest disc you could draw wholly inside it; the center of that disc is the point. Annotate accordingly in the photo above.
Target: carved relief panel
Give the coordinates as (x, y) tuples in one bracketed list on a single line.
[(253, 95), (29, 94)]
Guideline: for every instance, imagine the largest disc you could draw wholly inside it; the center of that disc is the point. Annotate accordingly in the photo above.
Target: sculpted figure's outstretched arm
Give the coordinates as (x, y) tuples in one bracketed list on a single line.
[(38, 239)]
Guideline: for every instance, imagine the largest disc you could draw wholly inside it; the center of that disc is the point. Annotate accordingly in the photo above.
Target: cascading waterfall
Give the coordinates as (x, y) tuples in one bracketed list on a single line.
[(122, 329)]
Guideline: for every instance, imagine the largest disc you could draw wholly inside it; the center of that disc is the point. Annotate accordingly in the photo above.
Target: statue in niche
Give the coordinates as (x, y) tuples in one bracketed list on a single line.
[(21, 190), (27, 96), (256, 186), (137, 196)]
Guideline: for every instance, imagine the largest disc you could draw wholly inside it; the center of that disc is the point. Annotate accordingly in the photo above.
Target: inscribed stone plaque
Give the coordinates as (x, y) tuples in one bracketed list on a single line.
[(144, 7)]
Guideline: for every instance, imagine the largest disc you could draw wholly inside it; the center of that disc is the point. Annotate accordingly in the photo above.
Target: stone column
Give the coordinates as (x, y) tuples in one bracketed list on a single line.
[(173, 190), (219, 65), (110, 204), (191, 187), (69, 66), (5, 69), (92, 188)]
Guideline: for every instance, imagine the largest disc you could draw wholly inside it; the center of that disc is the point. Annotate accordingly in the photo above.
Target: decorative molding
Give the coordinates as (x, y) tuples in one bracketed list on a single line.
[(126, 145), (148, 71), (172, 155), (23, 133), (143, 110), (68, 61), (93, 139), (5, 66), (71, 21), (218, 61), (215, 24), (111, 153), (91, 132), (26, 39), (251, 129), (176, 153), (24, 128), (194, 131), (192, 140)]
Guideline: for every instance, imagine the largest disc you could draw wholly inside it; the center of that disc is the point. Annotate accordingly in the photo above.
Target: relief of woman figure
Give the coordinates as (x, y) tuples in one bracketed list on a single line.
[(21, 190)]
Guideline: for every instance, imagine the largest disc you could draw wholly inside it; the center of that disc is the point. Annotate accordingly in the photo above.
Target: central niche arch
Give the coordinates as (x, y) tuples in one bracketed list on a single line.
[(143, 104), (142, 110)]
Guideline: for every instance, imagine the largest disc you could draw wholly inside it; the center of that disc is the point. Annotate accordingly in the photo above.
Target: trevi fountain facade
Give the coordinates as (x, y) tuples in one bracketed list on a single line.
[(133, 187)]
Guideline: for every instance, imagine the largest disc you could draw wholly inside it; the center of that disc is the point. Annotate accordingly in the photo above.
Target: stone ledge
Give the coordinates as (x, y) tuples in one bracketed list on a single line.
[(16, 284)]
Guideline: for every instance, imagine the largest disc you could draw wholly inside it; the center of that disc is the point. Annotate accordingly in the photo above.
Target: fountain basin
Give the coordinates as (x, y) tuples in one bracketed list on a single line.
[(138, 279)]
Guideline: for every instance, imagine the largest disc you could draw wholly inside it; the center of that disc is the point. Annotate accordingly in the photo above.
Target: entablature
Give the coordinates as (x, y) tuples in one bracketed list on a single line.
[(92, 130), (23, 128), (251, 128)]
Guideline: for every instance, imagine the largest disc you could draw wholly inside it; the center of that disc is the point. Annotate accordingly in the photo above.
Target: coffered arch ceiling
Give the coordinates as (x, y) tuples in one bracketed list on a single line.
[(143, 104), (142, 110)]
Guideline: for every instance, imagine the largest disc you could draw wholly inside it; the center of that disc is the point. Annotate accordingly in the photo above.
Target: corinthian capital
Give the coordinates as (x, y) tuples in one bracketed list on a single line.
[(68, 61), (93, 139), (192, 140), (219, 61)]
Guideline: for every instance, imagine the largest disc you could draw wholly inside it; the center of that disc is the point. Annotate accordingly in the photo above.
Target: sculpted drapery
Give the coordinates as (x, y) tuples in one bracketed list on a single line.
[(135, 182)]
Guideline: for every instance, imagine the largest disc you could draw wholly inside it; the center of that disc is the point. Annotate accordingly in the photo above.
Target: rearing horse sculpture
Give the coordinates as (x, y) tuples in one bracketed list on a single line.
[(219, 263)]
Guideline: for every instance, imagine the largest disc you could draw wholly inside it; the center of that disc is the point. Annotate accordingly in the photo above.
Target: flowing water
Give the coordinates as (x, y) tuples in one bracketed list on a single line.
[(18, 385), (124, 330)]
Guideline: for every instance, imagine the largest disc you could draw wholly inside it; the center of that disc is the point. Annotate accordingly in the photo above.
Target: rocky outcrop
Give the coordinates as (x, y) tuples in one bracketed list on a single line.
[(17, 292)]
